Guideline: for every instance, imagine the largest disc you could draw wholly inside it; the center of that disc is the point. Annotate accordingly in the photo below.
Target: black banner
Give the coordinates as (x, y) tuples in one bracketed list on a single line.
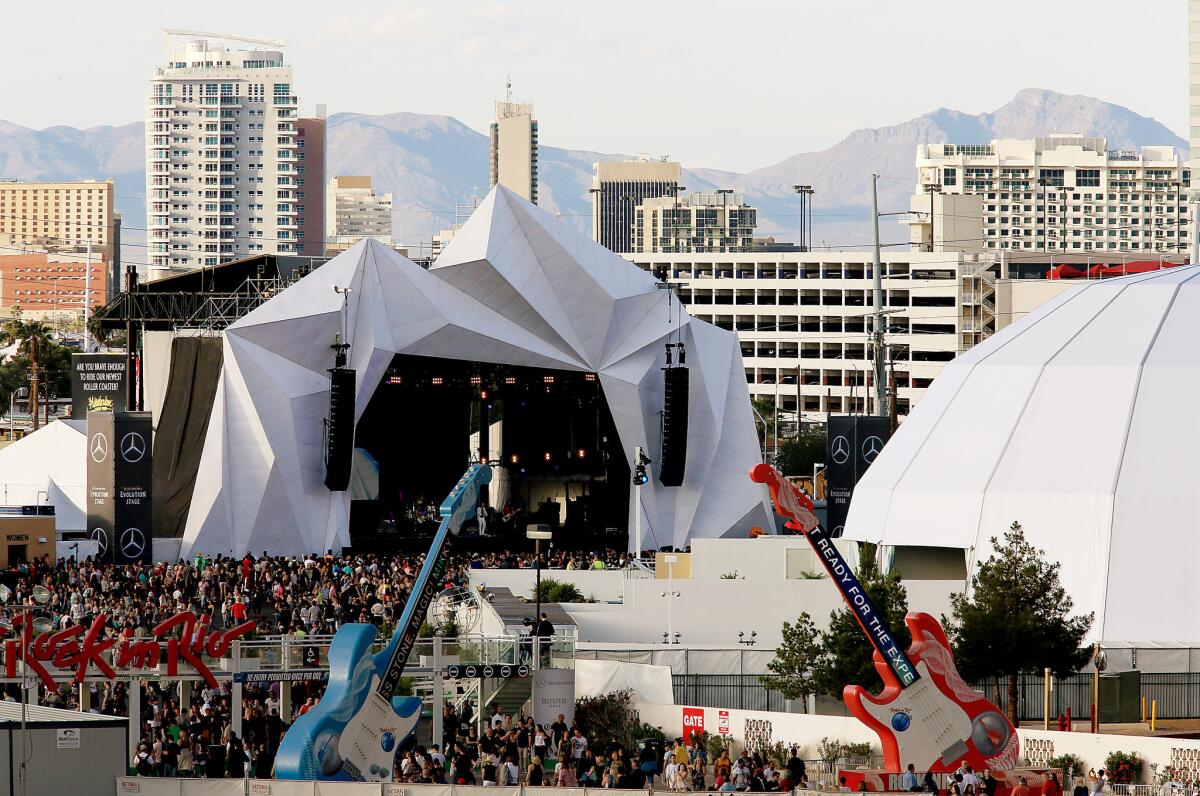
[(132, 520), (100, 481), (97, 383), (852, 443)]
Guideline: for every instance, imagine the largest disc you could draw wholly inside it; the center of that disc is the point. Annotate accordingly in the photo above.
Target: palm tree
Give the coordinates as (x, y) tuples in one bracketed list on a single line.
[(31, 338)]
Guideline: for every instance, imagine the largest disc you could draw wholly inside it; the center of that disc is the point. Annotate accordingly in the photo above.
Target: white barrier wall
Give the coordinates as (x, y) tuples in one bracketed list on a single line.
[(806, 731), (635, 610)]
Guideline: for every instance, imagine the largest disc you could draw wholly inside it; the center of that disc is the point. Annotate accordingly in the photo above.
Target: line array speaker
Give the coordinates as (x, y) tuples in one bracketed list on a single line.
[(339, 441), (674, 426)]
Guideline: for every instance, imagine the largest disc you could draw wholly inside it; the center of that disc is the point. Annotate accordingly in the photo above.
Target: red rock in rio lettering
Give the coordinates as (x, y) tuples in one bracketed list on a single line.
[(65, 649)]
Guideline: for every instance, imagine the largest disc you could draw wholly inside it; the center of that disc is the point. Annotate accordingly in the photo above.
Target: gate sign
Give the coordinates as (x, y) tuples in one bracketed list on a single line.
[(723, 722), (693, 722)]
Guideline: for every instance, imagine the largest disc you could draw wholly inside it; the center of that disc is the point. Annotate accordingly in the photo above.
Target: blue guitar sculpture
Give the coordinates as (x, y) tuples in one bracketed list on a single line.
[(353, 734)]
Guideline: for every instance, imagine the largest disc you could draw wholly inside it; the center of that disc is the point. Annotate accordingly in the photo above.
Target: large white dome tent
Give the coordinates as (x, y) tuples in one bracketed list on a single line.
[(1081, 422)]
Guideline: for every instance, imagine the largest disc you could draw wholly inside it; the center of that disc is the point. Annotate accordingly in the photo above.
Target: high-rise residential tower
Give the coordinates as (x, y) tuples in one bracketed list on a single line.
[(514, 149), (223, 176), (618, 187)]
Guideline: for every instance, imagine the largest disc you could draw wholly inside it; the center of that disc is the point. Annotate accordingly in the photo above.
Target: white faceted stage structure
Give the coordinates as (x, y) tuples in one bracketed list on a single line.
[(515, 287), (1081, 422)]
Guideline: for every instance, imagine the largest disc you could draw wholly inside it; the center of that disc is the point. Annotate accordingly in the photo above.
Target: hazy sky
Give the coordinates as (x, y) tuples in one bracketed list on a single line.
[(731, 85)]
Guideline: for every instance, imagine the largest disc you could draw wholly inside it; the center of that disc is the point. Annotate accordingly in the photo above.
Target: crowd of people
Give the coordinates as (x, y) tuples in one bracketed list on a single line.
[(191, 731)]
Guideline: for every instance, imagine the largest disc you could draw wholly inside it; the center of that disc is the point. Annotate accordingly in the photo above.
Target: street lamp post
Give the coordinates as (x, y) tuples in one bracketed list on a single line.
[(538, 533), (806, 192), (670, 560)]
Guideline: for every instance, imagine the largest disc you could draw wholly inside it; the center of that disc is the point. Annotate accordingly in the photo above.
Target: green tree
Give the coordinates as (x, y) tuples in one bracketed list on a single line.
[(848, 655), (796, 659), (1017, 618), (32, 339), (798, 455)]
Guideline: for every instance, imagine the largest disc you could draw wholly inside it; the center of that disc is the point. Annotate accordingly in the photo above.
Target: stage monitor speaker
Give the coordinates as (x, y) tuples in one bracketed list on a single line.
[(339, 440), (674, 427)]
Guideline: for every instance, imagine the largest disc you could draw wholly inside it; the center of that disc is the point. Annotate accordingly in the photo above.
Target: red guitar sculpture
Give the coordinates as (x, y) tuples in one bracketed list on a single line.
[(926, 714)]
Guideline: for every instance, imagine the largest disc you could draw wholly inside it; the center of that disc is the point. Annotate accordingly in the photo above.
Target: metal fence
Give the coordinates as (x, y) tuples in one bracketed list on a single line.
[(1177, 693)]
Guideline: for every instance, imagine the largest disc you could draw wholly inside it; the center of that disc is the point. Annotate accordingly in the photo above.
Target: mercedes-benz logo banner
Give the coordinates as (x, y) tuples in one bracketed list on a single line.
[(133, 521), (119, 472), (101, 481), (853, 443)]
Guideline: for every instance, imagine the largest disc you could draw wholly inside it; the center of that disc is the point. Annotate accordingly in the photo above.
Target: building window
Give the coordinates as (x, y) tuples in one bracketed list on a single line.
[(949, 176), (1087, 177)]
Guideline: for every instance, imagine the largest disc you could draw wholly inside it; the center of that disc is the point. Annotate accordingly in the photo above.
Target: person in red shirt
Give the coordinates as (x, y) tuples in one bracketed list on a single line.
[(238, 609), (1022, 788), (1052, 786)]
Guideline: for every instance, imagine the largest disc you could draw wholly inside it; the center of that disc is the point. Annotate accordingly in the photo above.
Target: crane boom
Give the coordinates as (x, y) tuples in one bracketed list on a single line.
[(268, 41)]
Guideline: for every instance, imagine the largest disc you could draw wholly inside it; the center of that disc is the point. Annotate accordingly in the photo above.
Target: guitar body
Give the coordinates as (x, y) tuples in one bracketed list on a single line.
[(318, 746), (938, 721), (926, 714)]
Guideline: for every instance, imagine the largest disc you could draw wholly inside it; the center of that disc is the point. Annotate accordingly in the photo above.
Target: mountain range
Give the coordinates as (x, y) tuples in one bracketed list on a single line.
[(434, 164)]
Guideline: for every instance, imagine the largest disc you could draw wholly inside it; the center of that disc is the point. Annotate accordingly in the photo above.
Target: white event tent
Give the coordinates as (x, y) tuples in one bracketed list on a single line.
[(1081, 422), (516, 286), (48, 467)]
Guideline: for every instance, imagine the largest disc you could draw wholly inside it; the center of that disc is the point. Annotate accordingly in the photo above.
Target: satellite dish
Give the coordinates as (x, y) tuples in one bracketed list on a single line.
[(41, 595), (377, 609), (42, 625), (458, 604), (5, 593)]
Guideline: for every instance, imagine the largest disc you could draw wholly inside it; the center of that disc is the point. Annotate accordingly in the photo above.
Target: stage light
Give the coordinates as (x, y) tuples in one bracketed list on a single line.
[(546, 455), (395, 380), (436, 380), (510, 379), (514, 458), (640, 478), (547, 379), (581, 453), (476, 380), (589, 377), (483, 395)]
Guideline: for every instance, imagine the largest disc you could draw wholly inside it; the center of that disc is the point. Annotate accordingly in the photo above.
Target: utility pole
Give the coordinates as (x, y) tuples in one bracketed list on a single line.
[(877, 332), (87, 298)]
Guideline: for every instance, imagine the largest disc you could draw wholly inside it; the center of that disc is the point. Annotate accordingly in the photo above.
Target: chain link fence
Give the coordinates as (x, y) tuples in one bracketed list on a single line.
[(1177, 694)]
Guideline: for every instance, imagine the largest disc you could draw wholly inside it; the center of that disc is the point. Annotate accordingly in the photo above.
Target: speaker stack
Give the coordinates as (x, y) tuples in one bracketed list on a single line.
[(674, 426), (339, 439)]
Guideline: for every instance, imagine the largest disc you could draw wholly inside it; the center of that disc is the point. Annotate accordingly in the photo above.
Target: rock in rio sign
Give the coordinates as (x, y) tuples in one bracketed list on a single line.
[(186, 639)]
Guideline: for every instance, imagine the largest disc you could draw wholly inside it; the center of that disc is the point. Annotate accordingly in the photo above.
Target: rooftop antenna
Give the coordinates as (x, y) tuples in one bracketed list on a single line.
[(508, 89)]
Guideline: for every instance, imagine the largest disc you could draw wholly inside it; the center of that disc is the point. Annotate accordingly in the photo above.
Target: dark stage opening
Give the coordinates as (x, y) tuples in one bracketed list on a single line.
[(552, 439)]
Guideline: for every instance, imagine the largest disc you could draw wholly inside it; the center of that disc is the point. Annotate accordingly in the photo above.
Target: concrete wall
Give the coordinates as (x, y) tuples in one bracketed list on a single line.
[(599, 585), (1016, 298), (704, 611)]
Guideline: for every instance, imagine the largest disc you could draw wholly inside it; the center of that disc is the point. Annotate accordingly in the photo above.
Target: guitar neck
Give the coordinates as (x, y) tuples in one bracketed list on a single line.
[(872, 622), (426, 587)]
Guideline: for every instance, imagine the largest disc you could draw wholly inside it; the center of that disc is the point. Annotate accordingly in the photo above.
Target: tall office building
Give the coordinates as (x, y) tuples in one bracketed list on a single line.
[(355, 212), (222, 162), (57, 217), (310, 183), (45, 228), (1059, 193), (618, 187), (514, 150), (703, 222)]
